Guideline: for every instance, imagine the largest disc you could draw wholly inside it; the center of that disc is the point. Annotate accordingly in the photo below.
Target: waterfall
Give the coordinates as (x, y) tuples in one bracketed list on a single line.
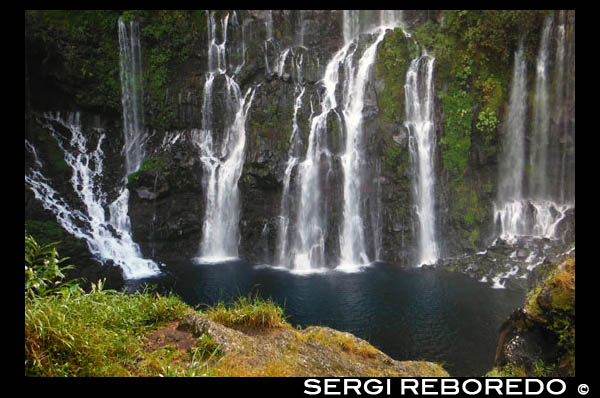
[(108, 238), (283, 255), (222, 161), (309, 244), (352, 239), (307, 248), (512, 163), (560, 101), (132, 93), (420, 125), (541, 208), (538, 160)]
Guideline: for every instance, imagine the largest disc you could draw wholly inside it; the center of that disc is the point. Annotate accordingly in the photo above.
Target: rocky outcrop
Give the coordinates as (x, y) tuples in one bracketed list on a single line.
[(314, 351), (539, 338)]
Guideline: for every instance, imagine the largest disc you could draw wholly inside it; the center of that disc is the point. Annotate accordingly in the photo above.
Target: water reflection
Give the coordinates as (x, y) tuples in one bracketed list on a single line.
[(416, 314)]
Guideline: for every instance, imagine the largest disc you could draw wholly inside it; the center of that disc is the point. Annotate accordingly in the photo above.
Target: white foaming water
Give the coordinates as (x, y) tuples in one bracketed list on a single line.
[(420, 125), (309, 244), (132, 93), (538, 213), (352, 240), (527, 217), (512, 163), (307, 253), (538, 157), (283, 255), (108, 238), (223, 163)]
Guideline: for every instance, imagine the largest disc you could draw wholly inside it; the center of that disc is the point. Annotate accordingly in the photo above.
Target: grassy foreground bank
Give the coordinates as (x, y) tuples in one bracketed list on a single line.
[(70, 332)]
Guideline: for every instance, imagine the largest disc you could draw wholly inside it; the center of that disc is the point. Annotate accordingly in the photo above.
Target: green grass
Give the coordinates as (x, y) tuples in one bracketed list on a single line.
[(102, 333), (251, 312), (95, 334)]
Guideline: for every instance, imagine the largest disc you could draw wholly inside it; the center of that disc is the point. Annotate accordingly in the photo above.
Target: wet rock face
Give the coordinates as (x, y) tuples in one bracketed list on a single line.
[(530, 347), (524, 341), (167, 201), (540, 337)]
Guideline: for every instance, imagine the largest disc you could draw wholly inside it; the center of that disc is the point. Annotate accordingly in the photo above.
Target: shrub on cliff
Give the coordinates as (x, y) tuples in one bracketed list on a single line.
[(71, 333)]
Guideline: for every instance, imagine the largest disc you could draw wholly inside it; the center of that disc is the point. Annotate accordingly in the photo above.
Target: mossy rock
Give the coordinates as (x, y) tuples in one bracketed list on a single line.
[(314, 352)]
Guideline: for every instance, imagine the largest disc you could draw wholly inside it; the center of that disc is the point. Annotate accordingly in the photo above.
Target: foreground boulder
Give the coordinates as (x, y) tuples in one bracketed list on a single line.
[(539, 339), (314, 351)]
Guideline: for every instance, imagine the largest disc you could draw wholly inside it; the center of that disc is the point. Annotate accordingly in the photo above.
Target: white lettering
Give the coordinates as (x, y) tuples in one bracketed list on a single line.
[(355, 387), (510, 384), (489, 386), (331, 383), (454, 387), (426, 383), (404, 387), (539, 383), (564, 387), (308, 383), (378, 389), (471, 392)]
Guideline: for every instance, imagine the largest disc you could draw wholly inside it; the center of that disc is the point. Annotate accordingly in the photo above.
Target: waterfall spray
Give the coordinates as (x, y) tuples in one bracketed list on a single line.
[(420, 125)]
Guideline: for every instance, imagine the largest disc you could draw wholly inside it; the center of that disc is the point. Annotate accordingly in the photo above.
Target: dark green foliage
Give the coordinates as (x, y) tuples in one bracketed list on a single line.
[(492, 35), (167, 38), (148, 164), (395, 158), (393, 57), (71, 333), (50, 231), (43, 273), (86, 43), (458, 108)]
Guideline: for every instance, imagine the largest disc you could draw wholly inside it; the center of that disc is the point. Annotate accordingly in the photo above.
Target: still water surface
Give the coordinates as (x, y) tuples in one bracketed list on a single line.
[(410, 314)]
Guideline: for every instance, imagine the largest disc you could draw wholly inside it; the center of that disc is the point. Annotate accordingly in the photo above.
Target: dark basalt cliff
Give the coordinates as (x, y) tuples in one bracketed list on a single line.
[(72, 64)]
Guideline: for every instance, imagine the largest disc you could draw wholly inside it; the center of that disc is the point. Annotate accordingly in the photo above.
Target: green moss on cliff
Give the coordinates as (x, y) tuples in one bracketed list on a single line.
[(148, 164), (85, 44), (549, 307), (473, 51), (393, 57)]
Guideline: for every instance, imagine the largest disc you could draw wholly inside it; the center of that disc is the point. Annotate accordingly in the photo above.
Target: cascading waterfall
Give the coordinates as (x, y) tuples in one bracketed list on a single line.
[(108, 238), (309, 245), (559, 102), (223, 162), (539, 210), (307, 252), (538, 152), (512, 163), (420, 125), (132, 93), (352, 240), (283, 255)]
